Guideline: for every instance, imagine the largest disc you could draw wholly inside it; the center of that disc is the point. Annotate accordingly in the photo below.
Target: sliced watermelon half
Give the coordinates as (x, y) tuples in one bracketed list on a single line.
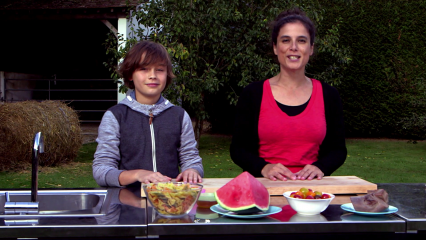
[(243, 195)]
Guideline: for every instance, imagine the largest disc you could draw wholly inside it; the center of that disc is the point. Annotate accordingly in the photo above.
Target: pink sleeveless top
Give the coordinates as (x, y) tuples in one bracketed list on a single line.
[(292, 141)]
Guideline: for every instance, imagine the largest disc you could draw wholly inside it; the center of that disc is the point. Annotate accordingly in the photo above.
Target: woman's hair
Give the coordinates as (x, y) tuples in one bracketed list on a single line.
[(153, 53), (291, 16)]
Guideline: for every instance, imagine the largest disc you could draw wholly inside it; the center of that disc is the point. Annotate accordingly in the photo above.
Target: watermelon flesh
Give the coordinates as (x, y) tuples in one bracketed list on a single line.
[(243, 195)]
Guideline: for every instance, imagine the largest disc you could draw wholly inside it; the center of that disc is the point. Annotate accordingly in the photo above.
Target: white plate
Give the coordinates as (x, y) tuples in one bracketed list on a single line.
[(218, 209), (350, 208)]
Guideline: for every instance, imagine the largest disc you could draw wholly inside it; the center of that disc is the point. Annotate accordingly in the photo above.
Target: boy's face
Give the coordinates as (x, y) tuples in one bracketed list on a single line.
[(149, 82)]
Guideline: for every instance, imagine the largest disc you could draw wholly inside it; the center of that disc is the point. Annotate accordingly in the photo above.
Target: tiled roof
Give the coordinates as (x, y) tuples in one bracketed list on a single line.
[(64, 4)]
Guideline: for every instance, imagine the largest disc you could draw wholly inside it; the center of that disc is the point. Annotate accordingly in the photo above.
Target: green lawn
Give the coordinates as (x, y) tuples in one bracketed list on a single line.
[(214, 149), (377, 161), (383, 161)]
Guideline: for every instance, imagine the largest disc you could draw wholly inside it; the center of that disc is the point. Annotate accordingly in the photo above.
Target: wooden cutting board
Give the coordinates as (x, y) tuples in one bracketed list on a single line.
[(335, 185)]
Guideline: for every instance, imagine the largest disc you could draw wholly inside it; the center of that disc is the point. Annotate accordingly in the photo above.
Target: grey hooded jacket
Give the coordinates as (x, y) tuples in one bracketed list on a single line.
[(127, 140)]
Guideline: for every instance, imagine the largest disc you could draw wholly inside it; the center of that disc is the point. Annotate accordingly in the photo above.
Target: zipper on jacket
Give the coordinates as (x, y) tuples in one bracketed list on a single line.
[(151, 127)]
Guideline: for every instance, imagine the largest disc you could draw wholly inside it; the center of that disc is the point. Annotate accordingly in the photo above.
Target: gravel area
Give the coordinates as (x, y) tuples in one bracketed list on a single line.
[(89, 132)]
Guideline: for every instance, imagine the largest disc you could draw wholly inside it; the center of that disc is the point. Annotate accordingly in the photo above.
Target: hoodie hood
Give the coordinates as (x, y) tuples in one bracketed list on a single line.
[(161, 105)]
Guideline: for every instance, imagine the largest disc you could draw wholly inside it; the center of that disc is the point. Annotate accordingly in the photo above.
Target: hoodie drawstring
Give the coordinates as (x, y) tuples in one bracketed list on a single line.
[(151, 127), (151, 116)]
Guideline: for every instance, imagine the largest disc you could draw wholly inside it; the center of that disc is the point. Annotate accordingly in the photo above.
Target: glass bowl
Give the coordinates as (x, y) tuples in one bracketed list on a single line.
[(172, 199), (182, 219)]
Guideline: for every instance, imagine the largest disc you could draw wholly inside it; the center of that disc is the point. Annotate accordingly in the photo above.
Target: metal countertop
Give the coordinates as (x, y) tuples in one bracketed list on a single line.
[(129, 216)]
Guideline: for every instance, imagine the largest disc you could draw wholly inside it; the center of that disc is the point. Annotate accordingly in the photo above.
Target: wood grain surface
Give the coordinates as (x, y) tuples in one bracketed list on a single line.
[(339, 199), (334, 184)]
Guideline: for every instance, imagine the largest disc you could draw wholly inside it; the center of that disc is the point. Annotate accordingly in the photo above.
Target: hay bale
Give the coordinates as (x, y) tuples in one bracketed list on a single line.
[(20, 121)]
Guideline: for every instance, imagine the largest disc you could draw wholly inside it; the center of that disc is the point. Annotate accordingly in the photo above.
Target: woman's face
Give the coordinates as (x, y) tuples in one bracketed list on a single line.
[(293, 46)]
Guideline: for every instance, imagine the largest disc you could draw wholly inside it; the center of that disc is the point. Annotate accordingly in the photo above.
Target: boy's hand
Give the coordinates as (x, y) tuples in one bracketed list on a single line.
[(189, 175), (145, 176)]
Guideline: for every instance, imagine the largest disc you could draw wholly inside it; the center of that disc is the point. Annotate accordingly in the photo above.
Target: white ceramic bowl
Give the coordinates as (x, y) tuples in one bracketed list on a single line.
[(307, 218), (308, 206)]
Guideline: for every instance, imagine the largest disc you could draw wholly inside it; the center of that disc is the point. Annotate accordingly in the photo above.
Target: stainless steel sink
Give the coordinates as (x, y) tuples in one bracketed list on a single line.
[(57, 203)]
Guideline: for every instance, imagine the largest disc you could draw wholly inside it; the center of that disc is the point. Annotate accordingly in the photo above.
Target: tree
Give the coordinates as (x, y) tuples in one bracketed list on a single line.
[(223, 45)]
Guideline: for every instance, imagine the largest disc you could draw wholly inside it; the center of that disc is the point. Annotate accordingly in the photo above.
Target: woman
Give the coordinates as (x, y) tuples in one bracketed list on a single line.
[(290, 126)]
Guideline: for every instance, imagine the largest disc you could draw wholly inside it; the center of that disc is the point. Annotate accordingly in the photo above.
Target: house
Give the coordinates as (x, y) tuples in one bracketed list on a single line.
[(54, 50)]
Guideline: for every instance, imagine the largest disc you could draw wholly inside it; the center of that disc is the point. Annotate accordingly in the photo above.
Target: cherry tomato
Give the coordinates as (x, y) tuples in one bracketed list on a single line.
[(310, 194), (304, 190), (307, 193), (325, 196)]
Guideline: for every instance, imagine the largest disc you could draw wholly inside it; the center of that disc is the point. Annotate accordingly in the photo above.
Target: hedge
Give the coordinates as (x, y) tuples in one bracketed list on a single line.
[(383, 88)]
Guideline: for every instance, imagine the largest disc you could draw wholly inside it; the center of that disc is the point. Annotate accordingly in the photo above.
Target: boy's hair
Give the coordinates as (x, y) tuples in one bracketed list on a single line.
[(153, 53)]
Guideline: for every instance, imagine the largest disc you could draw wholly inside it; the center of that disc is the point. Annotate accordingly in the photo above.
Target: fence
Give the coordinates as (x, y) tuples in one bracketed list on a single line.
[(89, 97)]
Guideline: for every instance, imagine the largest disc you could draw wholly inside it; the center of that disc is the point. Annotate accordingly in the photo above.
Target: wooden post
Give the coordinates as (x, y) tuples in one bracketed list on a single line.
[(2, 87)]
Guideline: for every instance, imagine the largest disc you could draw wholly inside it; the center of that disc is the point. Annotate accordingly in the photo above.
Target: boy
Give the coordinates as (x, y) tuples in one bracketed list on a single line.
[(145, 138)]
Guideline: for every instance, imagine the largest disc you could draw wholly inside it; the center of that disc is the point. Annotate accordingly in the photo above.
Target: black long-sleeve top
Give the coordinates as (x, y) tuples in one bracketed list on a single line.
[(245, 140)]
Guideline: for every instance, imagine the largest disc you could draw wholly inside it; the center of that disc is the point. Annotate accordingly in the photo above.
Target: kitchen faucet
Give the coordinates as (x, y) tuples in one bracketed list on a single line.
[(38, 148), (28, 207)]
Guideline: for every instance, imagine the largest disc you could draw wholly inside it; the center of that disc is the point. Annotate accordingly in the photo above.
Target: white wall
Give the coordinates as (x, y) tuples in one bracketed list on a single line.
[(125, 28), (121, 29), (132, 22)]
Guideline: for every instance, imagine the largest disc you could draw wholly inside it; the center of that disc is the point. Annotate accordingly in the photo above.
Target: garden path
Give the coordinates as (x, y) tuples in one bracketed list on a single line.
[(89, 132)]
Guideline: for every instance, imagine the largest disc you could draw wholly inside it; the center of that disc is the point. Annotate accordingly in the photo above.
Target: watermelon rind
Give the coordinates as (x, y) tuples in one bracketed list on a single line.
[(245, 179), (249, 209)]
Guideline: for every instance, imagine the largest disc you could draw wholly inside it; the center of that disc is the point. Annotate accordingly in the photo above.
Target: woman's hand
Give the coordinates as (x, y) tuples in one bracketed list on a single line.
[(143, 176), (309, 172), (189, 175), (277, 171)]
